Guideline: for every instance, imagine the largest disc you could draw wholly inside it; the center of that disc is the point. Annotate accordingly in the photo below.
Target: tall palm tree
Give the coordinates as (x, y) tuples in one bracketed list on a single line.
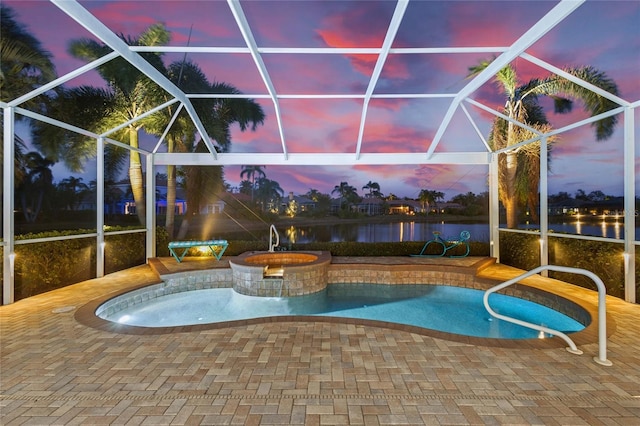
[(133, 92), (519, 168), (24, 66), (252, 173), (217, 115)]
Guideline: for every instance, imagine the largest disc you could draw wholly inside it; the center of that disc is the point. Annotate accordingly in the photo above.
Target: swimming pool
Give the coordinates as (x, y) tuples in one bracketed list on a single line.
[(449, 309)]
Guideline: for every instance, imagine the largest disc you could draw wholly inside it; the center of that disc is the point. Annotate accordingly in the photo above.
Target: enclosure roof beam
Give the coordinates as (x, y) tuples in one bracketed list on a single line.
[(71, 128), (61, 80), (321, 159), (392, 30), (537, 31), (245, 29)]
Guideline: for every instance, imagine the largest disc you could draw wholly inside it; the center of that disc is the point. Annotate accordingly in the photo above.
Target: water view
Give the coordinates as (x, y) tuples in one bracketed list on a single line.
[(423, 231)]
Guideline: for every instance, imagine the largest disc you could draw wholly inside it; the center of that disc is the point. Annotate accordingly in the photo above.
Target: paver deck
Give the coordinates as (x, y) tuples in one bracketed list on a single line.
[(55, 370)]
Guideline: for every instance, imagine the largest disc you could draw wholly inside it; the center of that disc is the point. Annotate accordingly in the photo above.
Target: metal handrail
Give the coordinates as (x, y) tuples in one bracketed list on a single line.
[(602, 310), (273, 231)]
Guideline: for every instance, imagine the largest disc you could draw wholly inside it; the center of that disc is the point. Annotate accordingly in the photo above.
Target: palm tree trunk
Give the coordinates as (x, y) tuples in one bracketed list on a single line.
[(171, 193), (171, 200), (135, 177), (510, 199), (193, 184)]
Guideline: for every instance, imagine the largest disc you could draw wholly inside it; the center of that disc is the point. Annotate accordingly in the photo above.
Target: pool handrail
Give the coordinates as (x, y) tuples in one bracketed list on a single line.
[(273, 231), (602, 310)]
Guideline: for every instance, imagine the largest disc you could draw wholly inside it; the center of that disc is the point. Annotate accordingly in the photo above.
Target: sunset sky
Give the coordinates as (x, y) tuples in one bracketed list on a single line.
[(604, 34)]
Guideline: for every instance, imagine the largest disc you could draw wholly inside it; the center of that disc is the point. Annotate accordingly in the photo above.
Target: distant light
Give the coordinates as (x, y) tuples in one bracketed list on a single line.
[(124, 319)]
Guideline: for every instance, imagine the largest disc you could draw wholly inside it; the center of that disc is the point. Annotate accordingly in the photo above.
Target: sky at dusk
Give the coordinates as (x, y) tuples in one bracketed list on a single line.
[(603, 34)]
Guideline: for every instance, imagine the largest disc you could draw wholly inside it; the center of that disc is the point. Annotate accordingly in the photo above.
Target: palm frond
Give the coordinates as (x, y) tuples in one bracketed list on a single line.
[(593, 103)]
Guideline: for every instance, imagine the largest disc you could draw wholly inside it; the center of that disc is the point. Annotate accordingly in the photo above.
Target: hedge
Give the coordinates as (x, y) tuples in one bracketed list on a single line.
[(605, 259), (41, 267)]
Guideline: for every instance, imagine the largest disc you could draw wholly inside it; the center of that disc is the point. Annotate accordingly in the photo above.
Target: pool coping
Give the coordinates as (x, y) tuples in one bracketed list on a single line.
[(86, 313)]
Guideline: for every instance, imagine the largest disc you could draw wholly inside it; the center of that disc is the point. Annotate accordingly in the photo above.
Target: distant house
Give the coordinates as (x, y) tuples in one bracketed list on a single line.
[(304, 204), (610, 207), (447, 207), (569, 207), (409, 207), (371, 206), (180, 206)]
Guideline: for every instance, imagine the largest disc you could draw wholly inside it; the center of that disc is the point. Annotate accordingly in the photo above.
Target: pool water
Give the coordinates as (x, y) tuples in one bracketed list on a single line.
[(449, 309)]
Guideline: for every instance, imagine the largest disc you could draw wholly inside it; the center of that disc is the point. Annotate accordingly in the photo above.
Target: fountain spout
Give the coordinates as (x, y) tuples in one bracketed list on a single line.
[(273, 233)]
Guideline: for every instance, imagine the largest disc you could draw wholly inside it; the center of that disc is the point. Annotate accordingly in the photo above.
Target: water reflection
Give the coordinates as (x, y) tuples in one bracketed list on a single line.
[(381, 232), (402, 231), (419, 231), (606, 229)]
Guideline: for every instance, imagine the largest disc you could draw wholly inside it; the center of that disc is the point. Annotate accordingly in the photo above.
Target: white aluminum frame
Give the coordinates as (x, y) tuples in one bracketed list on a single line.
[(506, 55)]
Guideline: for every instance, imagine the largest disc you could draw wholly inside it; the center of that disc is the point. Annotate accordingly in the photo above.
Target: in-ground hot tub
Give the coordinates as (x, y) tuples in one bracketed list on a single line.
[(280, 274)]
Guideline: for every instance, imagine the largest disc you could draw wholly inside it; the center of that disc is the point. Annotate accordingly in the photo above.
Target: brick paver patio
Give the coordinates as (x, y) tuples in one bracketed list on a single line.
[(55, 370)]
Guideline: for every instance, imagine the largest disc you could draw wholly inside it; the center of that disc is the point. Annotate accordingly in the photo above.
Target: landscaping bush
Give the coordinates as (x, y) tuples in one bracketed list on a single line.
[(41, 267), (604, 259), (520, 250), (124, 251)]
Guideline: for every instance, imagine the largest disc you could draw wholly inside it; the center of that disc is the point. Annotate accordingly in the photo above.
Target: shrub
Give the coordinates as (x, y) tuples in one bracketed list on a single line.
[(520, 250), (602, 258), (45, 266), (41, 267)]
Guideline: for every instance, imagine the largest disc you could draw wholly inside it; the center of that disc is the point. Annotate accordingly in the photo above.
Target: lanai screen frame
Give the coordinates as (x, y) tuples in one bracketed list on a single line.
[(506, 55)]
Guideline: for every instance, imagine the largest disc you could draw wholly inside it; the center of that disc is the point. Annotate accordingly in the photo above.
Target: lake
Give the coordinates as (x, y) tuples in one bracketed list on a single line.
[(421, 231)]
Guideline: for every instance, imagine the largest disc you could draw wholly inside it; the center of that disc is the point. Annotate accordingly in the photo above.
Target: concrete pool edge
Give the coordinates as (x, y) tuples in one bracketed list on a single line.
[(86, 313)]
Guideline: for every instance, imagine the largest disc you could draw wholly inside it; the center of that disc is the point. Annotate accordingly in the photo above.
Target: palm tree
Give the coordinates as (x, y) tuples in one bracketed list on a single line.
[(374, 190), (313, 194), (430, 197), (253, 173), (347, 193), (24, 66), (72, 190), (519, 168), (217, 117), (85, 107), (37, 183), (268, 193), (133, 92), (246, 187)]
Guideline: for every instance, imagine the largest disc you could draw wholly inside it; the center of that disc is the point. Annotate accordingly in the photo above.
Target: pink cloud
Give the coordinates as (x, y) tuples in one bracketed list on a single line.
[(357, 27), (470, 25), (209, 19)]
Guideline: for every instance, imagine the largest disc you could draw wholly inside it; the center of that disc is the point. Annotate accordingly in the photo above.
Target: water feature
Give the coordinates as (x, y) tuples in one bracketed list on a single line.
[(282, 273)]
